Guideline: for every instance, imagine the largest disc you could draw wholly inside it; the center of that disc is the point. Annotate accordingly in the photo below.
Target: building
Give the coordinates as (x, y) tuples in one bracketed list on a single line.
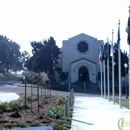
[(79, 57)]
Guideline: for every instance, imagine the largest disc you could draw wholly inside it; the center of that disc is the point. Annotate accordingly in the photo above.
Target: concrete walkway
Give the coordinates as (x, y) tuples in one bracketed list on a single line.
[(95, 113), (7, 97)]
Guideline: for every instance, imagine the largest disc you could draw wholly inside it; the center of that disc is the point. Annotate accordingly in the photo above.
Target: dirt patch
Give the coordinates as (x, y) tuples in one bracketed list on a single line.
[(35, 116)]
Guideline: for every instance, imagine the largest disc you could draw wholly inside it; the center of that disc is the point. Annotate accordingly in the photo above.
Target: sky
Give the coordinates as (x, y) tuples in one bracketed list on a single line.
[(24, 21)]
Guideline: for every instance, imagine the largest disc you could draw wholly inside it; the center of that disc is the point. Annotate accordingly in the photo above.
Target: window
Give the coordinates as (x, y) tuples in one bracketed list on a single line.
[(82, 46)]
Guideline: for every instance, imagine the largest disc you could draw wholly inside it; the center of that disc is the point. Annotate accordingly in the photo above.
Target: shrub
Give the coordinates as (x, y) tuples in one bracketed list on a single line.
[(3, 121), (21, 125), (63, 76), (12, 106), (55, 112), (57, 127), (60, 99), (34, 96), (62, 124)]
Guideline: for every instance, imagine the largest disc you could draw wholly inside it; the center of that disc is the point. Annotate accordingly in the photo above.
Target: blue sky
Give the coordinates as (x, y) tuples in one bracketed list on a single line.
[(29, 20)]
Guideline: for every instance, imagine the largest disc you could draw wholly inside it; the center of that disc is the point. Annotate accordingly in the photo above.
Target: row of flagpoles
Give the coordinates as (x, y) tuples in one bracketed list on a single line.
[(104, 54)]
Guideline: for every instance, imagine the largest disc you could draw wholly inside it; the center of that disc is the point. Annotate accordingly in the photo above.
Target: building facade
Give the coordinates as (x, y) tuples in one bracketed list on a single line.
[(79, 57)]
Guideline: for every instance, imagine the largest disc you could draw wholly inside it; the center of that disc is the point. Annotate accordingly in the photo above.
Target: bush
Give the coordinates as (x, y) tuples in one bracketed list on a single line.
[(62, 124), (12, 106), (55, 112), (60, 99), (64, 76), (60, 87), (34, 96), (3, 121), (33, 78)]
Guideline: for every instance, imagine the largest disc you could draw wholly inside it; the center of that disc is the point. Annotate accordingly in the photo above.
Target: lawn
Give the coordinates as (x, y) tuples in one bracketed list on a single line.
[(125, 102), (9, 77), (23, 85)]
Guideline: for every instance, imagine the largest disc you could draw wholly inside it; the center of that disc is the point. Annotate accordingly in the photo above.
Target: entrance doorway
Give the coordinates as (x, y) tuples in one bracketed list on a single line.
[(83, 74)]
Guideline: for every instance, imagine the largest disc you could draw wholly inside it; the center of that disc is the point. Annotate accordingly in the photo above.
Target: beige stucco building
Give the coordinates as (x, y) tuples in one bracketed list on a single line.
[(79, 57)]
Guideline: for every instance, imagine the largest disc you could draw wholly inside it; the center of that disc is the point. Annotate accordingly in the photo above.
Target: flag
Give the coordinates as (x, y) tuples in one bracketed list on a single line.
[(118, 39), (103, 53), (128, 31), (100, 55), (107, 51)]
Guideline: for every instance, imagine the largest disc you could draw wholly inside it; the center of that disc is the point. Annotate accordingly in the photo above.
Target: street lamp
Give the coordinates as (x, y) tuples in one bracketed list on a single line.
[(125, 65)]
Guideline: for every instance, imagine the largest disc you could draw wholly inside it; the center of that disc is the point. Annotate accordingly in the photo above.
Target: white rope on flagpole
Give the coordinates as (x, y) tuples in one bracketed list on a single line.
[(119, 58), (108, 79), (113, 71)]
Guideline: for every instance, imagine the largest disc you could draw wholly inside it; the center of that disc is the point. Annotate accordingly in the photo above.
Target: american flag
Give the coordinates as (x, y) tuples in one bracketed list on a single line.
[(100, 55)]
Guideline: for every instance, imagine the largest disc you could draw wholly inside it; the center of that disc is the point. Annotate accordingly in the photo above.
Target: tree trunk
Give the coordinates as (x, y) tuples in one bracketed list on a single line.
[(7, 70)]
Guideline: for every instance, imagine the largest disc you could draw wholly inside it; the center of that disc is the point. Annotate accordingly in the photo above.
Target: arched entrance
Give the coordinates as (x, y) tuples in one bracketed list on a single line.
[(83, 74)]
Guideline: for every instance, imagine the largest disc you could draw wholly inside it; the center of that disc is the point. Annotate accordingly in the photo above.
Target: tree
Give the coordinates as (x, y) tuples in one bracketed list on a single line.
[(124, 59), (24, 57), (45, 56), (9, 54), (63, 76)]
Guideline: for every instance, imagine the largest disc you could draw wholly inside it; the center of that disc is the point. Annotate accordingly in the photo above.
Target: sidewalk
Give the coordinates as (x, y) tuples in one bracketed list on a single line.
[(8, 96), (96, 113)]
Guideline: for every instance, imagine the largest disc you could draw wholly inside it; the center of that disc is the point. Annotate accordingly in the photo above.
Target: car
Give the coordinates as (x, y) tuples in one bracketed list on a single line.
[(22, 78)]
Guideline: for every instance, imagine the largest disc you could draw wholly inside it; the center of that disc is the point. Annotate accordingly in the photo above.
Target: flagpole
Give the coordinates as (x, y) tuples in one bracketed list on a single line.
[(101, 65), (108, 79), (129, 76), (113, 71), (119, 58), (129, 67), (101, 80), (104, 77)]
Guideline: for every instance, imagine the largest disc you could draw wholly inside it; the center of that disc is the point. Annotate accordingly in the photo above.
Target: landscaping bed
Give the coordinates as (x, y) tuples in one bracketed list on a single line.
[(49, 113)]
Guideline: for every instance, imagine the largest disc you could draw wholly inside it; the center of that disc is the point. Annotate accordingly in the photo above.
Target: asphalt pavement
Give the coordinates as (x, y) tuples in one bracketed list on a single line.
[(18, 90)]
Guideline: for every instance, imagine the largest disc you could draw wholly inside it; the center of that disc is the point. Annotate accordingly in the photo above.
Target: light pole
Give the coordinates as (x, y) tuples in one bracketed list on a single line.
[(125, 65)]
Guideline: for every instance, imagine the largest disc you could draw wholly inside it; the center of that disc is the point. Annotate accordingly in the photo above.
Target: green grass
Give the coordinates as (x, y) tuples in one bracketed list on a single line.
[(23, 85), (125, 102), (8, 77), (28, 85)]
